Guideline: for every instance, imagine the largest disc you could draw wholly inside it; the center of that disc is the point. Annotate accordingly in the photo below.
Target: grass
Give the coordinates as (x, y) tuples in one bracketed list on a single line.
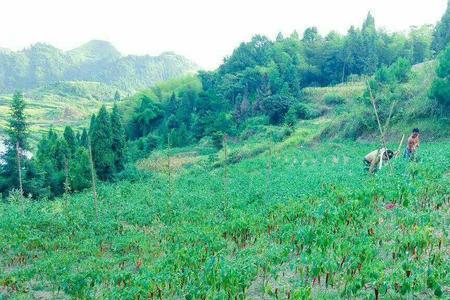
[(325, 215)]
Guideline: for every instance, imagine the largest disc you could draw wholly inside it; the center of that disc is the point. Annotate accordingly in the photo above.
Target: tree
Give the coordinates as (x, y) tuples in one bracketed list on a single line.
[(421, 43), (145, 118), (276, 107), (117, 96), (52, 159), (84, 139), (440, 89), (441, 35), (69, 136), (369, 46), (118, 139), (80, 174), (17, 130), (15, 158), (101, 143)]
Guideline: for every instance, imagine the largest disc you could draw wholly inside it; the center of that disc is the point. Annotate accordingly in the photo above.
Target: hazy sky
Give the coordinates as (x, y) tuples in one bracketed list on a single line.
[(202, 30)]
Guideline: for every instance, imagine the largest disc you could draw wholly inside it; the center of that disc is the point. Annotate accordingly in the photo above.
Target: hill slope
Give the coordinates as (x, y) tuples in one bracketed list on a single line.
[(97, 61)]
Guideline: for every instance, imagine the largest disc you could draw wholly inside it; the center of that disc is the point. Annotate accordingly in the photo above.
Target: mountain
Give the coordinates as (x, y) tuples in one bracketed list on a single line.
[(95, 61)]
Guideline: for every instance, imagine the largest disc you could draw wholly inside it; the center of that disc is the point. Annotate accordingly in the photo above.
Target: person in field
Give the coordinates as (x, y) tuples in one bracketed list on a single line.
[(413, 144), (372, 159)]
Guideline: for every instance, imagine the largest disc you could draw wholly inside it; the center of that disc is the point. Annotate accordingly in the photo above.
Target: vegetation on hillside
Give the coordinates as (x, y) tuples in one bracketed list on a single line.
[(264, 84), (228, 184), (96, 61)]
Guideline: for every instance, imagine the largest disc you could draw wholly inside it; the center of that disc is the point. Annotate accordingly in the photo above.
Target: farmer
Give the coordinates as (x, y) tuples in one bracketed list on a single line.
[(413, 144), (373, 158)]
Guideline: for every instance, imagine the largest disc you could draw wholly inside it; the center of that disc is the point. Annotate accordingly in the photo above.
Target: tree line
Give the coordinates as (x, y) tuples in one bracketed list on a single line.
[(62, 162)]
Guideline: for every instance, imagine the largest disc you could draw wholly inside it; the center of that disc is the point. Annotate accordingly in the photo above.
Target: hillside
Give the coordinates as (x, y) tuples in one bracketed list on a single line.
[(59, 104), (296, 223), (266, 178), (96, 61)]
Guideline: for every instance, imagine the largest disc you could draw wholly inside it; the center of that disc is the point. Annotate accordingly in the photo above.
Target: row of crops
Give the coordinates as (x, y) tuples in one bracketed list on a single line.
[(303, 223)]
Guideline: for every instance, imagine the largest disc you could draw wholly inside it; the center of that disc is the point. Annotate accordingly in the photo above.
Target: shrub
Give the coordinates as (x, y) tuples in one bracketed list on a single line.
[(383, 75), (281, 134), (401, 70), (217, 139), (333, 99), (305, 111)]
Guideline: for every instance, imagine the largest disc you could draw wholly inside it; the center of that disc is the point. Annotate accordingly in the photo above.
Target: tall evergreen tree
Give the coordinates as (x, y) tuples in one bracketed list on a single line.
[(52, 159), (70, 138), (80, 172), (440, 89), (84, 139), (101, 143), (118, 139), (441, 36), (11, 177), (369, 45), (17, 129), (117, 96)]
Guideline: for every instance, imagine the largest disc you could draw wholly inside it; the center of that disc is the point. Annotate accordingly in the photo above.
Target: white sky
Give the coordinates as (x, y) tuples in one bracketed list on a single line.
[(202, 30)]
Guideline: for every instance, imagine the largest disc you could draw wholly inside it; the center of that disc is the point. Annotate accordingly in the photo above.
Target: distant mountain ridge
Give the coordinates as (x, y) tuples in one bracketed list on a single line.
[(96, 61)]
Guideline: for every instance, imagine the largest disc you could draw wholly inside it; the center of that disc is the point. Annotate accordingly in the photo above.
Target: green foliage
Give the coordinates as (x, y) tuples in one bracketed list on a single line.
[(17, 129), (101, 142), (80, 172), (398, 72), (333, 99), (145, 118), (401, 70), (84, 139), (276, 106), (96, 61), (69, 137), (16, 148), (118, 139), (52, 158), (441, 35), (117, 96), (421, 43), (440, 90)]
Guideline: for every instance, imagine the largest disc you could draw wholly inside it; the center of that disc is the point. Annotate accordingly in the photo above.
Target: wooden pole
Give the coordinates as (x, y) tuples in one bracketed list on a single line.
[(372, 99), (269, 166), (19, 167), (397, 153), (66, 173), (225, 166), (169, 173), (382, 132), (94, 187)]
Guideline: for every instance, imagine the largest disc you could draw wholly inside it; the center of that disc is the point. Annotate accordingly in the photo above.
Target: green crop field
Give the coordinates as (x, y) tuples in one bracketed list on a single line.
[(294, 222)]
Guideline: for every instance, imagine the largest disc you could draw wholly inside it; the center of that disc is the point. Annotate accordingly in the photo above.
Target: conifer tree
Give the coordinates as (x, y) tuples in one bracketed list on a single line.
[(80, 172), (101, 143), (441, 36), (118, 139), (84, 139), (117, 96), (15, 159), (70, 138), (440, 89)]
